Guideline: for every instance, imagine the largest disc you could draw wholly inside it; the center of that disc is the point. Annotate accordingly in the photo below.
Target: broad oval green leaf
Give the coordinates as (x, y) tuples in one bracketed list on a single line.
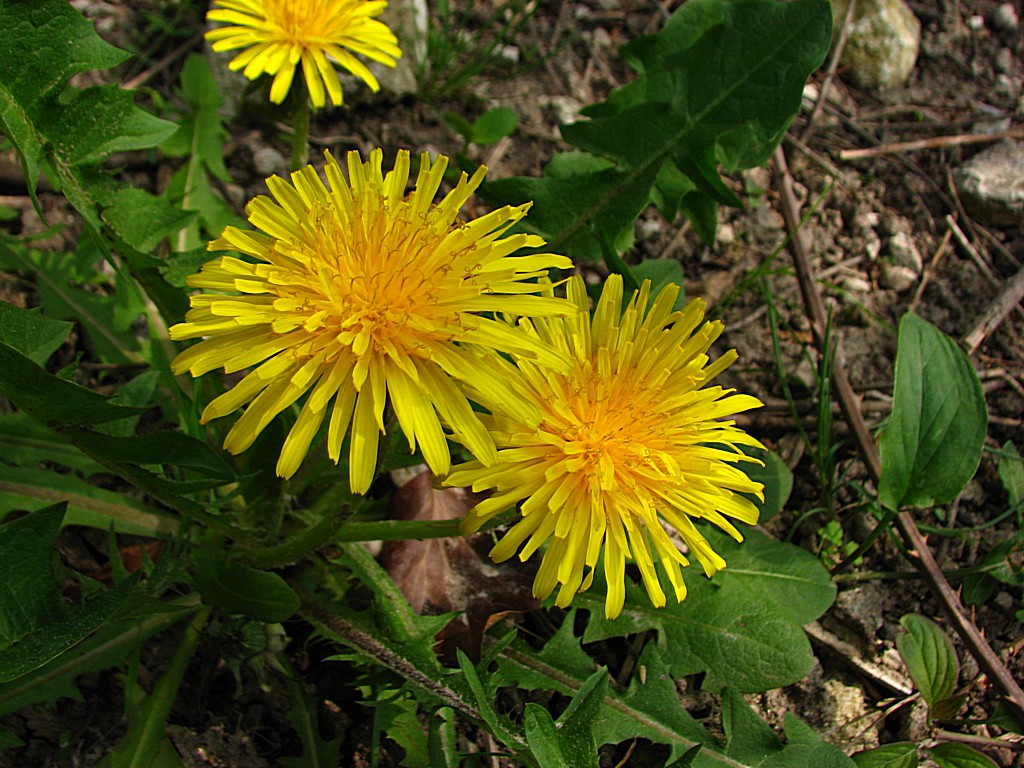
[(953, 755), (932, 444), (901, 754), (493, 125), (930, 658)]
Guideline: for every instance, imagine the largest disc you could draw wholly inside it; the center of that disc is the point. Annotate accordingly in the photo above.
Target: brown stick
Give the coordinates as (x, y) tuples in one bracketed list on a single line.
[(920, 555), (935, 142)]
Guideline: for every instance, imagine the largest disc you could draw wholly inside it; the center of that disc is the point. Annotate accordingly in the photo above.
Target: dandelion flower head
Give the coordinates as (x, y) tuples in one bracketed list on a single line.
[(278, 35), (359, 293), (629, 442)]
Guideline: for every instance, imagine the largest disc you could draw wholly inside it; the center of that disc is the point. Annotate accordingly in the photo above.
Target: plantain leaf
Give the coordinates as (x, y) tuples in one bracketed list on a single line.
[(902, 754), (930, 658), (932, 443), (953, 755)]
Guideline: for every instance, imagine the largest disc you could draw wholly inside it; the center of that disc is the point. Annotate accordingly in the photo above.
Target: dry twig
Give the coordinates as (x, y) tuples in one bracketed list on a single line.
[(935, 142)]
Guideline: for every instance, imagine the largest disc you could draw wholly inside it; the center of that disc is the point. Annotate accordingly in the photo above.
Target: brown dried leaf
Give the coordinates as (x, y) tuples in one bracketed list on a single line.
[(453, 574)]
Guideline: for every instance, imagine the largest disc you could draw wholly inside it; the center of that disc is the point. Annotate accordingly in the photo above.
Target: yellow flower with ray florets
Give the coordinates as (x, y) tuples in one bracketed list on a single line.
[(359, 293), (279, 35), (629, 440)]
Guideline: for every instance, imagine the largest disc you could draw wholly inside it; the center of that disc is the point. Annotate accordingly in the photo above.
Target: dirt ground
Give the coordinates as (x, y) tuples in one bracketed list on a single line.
[(890, 209)]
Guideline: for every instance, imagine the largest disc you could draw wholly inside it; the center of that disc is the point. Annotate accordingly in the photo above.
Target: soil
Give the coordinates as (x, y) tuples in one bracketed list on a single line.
[(868, 214)]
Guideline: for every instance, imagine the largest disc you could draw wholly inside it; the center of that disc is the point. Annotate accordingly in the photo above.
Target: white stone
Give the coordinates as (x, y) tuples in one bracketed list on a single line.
[(896, 277), (902, 250), (882, 42), (1005, 18)]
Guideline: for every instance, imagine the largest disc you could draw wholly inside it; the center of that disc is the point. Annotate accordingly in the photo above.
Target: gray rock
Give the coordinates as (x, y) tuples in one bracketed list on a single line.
[(882, 42), (267, 161), (408, 20), (991, 184)]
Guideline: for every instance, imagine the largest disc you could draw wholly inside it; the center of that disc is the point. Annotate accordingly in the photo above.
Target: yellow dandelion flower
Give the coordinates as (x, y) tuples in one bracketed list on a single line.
[(279, 34), (629, 440), (361, 293)]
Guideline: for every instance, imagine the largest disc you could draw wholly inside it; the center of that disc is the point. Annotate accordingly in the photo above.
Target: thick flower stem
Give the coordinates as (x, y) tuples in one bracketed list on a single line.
[(300, 139)]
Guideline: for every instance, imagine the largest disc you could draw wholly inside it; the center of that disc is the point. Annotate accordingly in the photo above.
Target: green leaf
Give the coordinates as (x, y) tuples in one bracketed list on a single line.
[(73, 130), (776, 478), (720, 82), (48, 43), (749, 738), (236, 588), (87, 504), (751, 742), (484, 697), (805, 748), (543, 738), (51, 400), (145, 744), (493, 125), (108, 647), (29, 590), (569, 742), (650, 707), (52, 639), (930, 658), (200, 138), (901, 754), (574, 212), (661, 272), (63, 297), (752, 610), (951, 754), (443, 739), (302, 714), (35, 336), (1011, 473), (932, 443), (142, 220)]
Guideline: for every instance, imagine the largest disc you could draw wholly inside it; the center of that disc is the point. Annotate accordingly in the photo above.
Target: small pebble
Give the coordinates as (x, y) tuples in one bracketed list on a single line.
[(267, 161)]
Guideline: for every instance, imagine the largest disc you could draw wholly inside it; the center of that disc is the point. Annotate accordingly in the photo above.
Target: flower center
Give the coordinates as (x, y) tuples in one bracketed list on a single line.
[(380, 281), (297, 20)]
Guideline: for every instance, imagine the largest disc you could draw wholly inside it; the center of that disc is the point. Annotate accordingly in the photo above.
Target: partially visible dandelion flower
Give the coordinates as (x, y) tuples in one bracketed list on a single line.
[(629, 441), (279, 34), (364, 294)]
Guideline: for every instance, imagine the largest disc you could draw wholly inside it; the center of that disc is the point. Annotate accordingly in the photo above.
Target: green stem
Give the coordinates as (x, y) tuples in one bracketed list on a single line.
[(145, 736), (300, 139), (296, 548)]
